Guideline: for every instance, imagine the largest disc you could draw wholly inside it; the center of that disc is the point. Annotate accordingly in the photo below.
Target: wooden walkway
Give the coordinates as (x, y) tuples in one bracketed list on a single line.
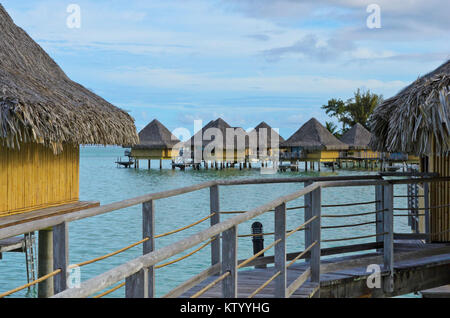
[(351, 281)]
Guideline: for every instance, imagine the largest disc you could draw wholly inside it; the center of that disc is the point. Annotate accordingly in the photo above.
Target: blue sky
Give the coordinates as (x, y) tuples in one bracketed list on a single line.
[(243, 60)]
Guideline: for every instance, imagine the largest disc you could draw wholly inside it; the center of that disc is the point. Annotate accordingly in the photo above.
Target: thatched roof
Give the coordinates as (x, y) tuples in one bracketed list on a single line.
[(222, 126), (358, 137), (39, 103), (264, 128), (314, 136), (408, 121), (156, 136)]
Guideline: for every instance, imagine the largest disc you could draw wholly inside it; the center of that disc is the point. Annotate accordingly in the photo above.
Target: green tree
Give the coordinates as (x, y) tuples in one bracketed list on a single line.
[(355, 110), (336, 108), (332, 128), (360, 107)]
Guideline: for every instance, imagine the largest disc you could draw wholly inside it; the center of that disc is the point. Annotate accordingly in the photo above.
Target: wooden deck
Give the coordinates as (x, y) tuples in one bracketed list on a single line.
[(439, 292), (21, 218), (414, 259)]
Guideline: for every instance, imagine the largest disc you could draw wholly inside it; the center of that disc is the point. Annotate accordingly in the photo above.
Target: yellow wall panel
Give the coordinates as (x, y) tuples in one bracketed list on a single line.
[(32, 177)]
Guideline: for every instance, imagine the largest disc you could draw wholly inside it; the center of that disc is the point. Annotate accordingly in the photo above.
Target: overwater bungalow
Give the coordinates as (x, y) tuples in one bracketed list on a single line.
[(219, 144), (313, 143), (358, 139), (265, 143), (44, 118), (155, 142), (417, 121)]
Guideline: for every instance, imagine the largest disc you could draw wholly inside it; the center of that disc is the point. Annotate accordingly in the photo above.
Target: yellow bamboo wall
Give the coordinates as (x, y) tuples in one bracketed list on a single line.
[(154, 153), (33, 177), (439, 196), (324, 155)]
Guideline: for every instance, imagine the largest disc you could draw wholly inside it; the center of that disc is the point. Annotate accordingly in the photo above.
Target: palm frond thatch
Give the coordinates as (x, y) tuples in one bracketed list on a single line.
[(156, 136), (357, 137), (314, 136), (409, 121), (39, 103)]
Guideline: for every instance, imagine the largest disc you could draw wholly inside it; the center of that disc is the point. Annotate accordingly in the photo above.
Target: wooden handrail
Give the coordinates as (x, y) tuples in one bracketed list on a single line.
[(343, 181), (122, 271)]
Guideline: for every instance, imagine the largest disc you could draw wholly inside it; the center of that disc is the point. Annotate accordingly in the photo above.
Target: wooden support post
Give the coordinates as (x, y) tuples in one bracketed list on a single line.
[(388, 245), (214, 203), (316, 236), (149, 164), (229, 262), (426, 196), (135, 285), (306, 166), (160, 164), (148, 230), (45, 262), (318, 165), (60, 256), (379, 217), (280, 251), (307, 216)]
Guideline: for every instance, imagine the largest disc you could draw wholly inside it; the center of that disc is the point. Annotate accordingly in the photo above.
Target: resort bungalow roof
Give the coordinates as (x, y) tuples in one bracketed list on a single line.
[(39, 103), (408, 121), (156, 136), (269, 132), (358, 137), (222, 126), (314, 136)]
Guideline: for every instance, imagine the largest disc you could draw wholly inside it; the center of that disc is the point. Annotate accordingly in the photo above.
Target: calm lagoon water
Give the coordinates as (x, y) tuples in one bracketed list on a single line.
[(101, 180)]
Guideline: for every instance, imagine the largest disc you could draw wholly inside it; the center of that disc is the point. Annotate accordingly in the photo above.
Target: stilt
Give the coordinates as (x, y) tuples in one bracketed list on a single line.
[(306, 166), (149, 164), (160, 164), (318, 165), (173, 165), (45, 262)]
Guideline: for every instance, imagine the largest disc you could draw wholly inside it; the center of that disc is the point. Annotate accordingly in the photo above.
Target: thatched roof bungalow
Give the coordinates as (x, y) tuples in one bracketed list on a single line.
[(44, 117), (417, 121), (218, 141), (314, 142), (264, 141), (358, 139), (155, 142)]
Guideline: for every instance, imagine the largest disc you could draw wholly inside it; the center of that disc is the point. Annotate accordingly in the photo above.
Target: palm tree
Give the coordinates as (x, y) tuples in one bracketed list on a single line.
[(336, 108), (360, 107), (332, 128)]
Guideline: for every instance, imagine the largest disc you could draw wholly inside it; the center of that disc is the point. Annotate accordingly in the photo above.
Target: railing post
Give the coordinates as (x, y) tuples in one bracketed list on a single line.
[(388, 238), (229, 262), (215, 208), (426, 197), (316, 204), (45, 262), (379, 216), (60, 256), (148, 231), (280, 251), (258, 240), (308, 215), (136, 285)]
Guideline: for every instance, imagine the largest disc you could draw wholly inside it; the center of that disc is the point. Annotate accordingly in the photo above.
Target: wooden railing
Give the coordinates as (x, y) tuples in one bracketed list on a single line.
[(222, 237)]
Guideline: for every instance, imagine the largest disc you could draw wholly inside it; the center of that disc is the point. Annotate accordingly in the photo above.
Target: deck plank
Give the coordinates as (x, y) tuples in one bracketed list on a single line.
[(250, 279)]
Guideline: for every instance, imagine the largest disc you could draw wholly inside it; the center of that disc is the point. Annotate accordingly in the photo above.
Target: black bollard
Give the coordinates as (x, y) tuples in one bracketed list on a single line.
[(258, 240)]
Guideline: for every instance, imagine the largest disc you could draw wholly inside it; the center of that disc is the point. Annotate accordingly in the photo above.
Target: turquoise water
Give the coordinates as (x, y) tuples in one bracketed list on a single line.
[(101, 180)]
